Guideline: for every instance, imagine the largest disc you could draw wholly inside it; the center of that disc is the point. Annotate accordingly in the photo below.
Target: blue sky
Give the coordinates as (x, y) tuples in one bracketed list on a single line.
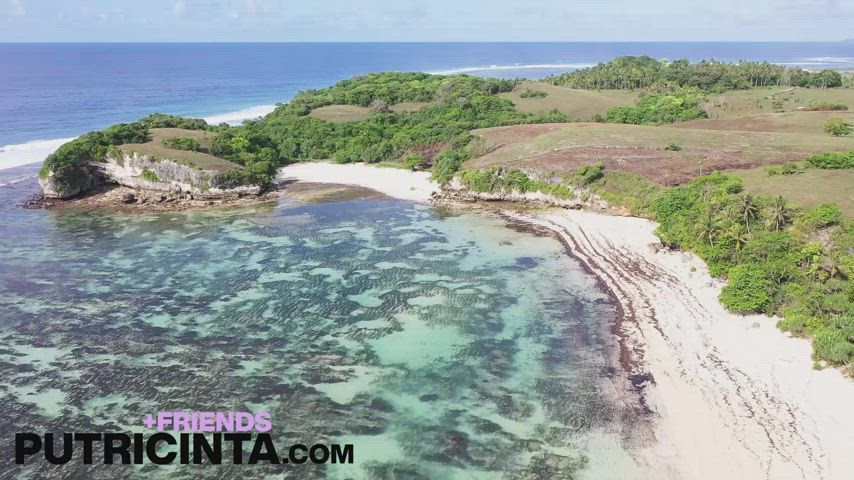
[(434, 20)]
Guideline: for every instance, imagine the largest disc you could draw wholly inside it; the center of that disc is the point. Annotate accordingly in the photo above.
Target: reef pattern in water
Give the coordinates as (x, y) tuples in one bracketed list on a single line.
[(440, 346)]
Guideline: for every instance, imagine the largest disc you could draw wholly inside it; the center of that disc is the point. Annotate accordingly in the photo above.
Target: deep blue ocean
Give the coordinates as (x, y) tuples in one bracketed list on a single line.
[(57, 91)]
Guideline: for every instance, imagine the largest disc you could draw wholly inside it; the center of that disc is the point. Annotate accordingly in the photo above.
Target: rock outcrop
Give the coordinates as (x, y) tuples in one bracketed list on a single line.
[(145, 172), (457, 190)]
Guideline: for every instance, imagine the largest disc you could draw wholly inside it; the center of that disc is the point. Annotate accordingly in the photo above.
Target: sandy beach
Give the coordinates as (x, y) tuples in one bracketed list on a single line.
[(731, 396), (394, 182)]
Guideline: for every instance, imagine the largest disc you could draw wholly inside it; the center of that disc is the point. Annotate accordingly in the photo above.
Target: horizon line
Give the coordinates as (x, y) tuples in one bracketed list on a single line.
[(13, 42)]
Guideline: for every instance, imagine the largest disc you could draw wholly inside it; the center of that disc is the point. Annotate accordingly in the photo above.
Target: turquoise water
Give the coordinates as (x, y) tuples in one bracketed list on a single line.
[(443, 346)]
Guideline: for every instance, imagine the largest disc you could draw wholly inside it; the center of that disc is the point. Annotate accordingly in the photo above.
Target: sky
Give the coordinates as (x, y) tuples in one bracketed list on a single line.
[(423, 21)]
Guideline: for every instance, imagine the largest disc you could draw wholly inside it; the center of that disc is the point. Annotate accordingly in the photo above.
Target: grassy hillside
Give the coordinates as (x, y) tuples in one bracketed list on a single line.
[(577, 105), (771, 99), (642, 150), (201, 159), (341, 113), (808, 189)]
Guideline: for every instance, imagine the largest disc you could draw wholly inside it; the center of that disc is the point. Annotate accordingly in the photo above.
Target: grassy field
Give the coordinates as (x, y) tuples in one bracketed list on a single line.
[(562, 148), (808, 189), (761, 100), (576, 104), (352, 113), (201, 159), (793, 122), (341, 113)]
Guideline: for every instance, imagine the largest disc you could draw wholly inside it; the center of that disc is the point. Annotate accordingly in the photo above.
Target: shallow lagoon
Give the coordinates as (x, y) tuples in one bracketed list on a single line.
[(442, 346)]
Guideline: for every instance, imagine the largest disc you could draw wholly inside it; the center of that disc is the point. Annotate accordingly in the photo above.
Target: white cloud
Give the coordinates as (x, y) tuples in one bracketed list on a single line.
[(180, 8), (16, 8)]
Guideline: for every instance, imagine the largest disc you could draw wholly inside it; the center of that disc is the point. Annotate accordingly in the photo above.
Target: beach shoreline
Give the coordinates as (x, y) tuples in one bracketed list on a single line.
[(730, 395)]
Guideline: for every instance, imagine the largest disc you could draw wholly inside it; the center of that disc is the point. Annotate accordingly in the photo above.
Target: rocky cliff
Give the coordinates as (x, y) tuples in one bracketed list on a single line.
[(144, 172)]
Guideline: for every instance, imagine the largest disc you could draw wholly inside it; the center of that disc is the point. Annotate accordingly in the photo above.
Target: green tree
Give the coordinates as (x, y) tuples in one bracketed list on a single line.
[(709, 227), (780, 214), (238, 144), (747, 209)]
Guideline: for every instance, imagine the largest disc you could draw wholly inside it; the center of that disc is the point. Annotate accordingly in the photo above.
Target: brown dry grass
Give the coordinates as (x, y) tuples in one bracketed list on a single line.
[(576, 104), (761, 100), (792, 122), (561, 149), (154, 147), (341, 113), (808, 189)]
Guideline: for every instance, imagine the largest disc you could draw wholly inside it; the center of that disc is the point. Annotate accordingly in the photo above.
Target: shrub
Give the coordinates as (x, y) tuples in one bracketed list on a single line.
[(149, 175), (494, 180), (822, 106), (528, 93), (448, 162), (822, 216), (832, 160), (837, 127), (787, 169), (658, 109), (832, 345), (412, 160), (587, 174), (162, 120), (182, 143), (749, 290), (673, 147)]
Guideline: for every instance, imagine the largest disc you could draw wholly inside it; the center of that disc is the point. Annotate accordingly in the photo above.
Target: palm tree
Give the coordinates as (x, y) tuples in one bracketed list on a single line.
[(779, 213), (747, 209), (740, 237), (709, 227)]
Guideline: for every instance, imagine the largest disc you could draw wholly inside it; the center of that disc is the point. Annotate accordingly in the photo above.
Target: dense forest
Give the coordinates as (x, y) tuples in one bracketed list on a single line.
[(707, 75)]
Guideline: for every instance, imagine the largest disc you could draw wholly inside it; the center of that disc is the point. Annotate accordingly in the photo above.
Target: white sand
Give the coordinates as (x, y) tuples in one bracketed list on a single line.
[(394, 182), (733, 397)]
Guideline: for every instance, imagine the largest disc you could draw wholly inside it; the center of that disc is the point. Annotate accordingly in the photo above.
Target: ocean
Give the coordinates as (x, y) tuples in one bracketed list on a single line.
[(440, 344), (53, 92)]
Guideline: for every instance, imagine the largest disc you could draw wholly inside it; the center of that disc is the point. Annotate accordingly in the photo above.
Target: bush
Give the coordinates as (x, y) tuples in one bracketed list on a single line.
[(673, 147), (413, 160), (658, 109), (832, 160), (149, 175), (822, 106), (832, 345), (162, 120), (528, 93), (822, 216), (494, 180), (182, 143), (587, 174), (749, 290), (837, 127), (787, 169)]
